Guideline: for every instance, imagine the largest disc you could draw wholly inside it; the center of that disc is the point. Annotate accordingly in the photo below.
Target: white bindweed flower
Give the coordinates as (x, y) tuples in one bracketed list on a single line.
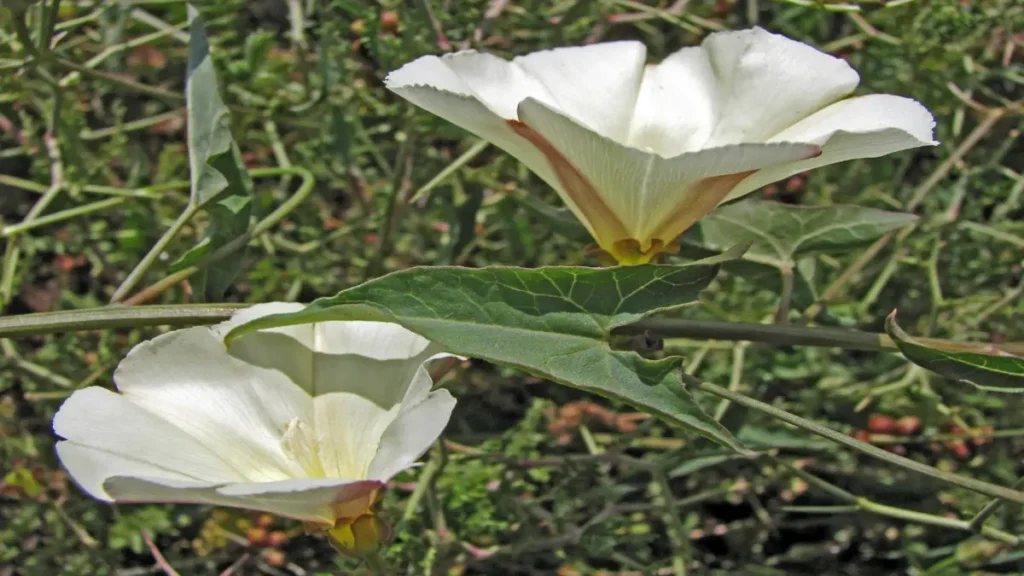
[(640, 152), (307, 422)]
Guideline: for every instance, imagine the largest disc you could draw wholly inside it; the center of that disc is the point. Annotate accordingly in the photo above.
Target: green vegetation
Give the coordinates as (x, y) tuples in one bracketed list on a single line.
[(317, 179)]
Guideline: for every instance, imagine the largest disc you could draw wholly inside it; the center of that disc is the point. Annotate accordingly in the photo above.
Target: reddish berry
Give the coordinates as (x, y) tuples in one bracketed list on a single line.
[(908, 425), (274, 557), (959, 448), (897, 449), (264, 520), (389, 21), (880, 424), (256, 536), (277, 539), (985, 435)]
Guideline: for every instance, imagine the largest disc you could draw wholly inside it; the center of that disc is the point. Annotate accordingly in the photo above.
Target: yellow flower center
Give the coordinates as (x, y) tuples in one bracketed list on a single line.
[(356, 530), (302, 446), (632, 253)]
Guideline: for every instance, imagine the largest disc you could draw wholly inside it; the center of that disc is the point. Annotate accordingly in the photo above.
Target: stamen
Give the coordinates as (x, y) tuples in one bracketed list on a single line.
[(302, 446)]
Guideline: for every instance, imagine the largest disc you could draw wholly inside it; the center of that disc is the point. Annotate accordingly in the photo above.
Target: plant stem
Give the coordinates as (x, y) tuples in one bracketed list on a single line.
[(300, 195), (98, 59), (15, 229), (778, 334), (673, 522), (786, 298), (136, 274), (922, 518), (450, 169), (389, 220), (12, 253), (735, 377), (979, 486), (166, 95), (133, 125), (979, 519), (115, 317), (789, 335), (865, 505), (161, 562)]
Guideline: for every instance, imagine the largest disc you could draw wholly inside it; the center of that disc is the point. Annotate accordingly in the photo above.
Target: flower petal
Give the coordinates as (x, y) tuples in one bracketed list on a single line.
[(307, 499), (493, 81), (480, 103), (91, 467), (640, 187), (376, 360), (767, 82), (287, 348), (411, 434), (318, 500), (862, 127), (376, 340), (236, 410), (468, 113), (676, 108), (349, 428), (113, 425), (373, 340), (596, 85), (381, 363), (479, 92)]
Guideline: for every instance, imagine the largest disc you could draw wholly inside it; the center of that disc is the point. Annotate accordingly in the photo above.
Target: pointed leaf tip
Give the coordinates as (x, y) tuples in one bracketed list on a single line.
[(984, 366)]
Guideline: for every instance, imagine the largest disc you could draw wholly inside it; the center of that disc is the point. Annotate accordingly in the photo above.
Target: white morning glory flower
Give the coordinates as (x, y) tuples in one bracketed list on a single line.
[(307, 422), (640, 152)]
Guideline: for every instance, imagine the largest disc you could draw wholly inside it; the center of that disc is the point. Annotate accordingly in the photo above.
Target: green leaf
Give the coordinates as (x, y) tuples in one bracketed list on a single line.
[(787, 236), (220, 182), (699, 463), (766, 276), (784, 233), (555, 323), (996, 371)]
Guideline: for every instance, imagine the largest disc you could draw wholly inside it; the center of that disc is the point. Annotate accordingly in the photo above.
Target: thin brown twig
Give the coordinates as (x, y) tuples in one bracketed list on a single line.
[(493, 11), (673, 10), (161, 562), (235, 565), (442, 41)]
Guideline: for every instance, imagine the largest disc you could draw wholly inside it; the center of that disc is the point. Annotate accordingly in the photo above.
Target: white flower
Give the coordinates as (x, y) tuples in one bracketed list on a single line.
[(641, 152), (307, 422)]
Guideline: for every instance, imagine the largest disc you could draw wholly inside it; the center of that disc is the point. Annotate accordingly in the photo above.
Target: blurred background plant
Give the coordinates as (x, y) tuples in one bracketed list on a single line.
[(531, 478)]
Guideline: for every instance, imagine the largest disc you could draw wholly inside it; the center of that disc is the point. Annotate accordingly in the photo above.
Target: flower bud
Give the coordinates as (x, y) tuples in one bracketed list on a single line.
[(360, 537)]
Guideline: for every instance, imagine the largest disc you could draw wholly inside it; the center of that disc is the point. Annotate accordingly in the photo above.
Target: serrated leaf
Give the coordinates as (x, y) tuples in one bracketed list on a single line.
[(220, 181), (785, 233), (555, 323), (997, 371)]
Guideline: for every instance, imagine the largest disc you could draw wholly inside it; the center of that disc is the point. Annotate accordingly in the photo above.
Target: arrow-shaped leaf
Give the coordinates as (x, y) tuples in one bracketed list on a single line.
[(220, 182), (996, 371), (551, 322)]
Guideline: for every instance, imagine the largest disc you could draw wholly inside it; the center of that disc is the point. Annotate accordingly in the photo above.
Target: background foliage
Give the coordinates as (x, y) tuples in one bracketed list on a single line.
[(531, 478)]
